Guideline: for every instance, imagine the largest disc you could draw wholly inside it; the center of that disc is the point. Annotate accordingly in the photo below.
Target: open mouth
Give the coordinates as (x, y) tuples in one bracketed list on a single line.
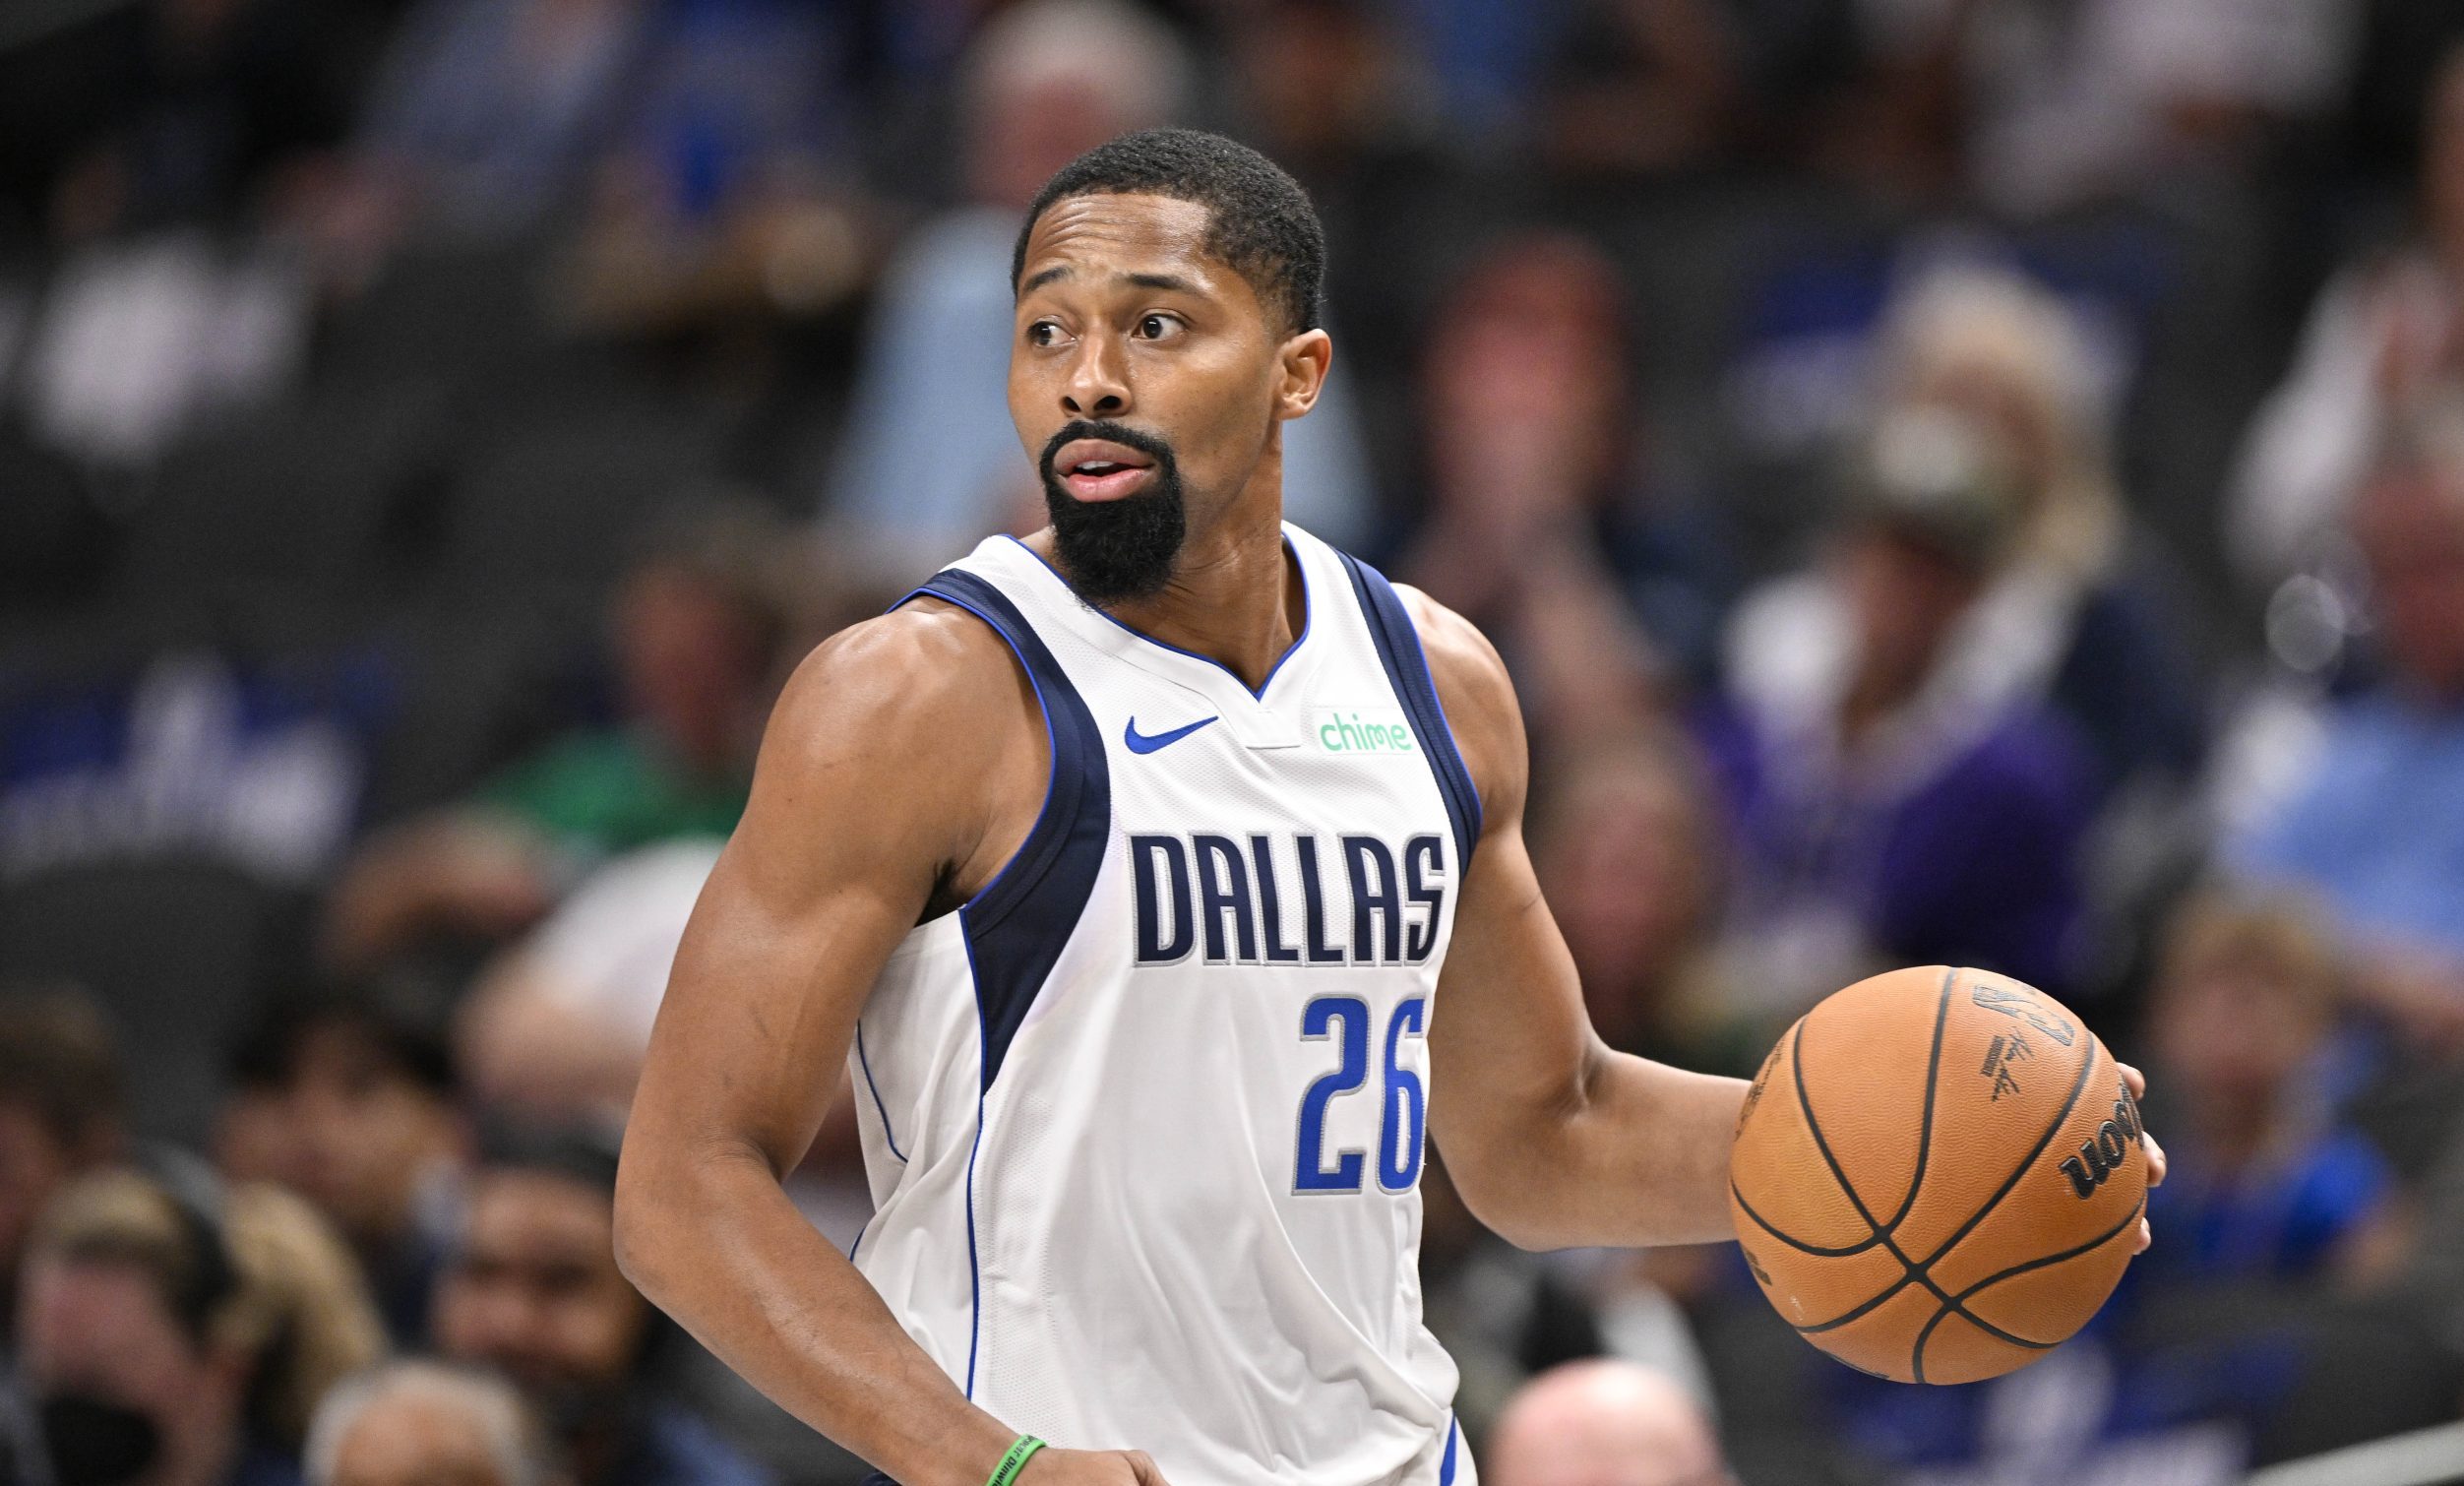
[(1097, 469)]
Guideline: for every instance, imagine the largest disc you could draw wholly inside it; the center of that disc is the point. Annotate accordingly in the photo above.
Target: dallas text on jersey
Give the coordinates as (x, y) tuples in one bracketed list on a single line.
[(1200, 888)]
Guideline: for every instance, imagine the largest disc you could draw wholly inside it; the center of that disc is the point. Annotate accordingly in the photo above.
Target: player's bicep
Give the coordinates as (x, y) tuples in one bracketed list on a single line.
[(870, 786), (761, 1005)]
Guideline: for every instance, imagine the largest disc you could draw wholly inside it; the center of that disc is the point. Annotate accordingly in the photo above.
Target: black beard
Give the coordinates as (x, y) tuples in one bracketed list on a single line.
[(1114, 551)]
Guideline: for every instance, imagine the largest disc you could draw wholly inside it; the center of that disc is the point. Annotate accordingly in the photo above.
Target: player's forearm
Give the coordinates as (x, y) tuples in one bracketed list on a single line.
[(1659, 1137), (715, 1244), (1636, 1157)]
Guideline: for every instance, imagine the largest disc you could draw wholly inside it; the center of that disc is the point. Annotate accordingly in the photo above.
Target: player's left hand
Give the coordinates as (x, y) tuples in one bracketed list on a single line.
[(2155, 1152)]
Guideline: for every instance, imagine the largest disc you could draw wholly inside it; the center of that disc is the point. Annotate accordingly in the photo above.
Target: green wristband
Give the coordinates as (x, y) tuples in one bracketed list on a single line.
[(1015, 1460)]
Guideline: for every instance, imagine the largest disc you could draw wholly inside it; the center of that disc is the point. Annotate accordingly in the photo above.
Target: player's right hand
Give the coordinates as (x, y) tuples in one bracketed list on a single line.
[(1090, 1467)]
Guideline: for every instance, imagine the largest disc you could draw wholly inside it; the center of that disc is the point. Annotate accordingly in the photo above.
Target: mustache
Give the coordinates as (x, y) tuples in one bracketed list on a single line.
[(1114, 433)]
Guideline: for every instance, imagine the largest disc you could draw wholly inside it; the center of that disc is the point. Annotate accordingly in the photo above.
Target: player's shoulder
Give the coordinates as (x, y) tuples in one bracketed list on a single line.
[(1481, 708), (927, 682)]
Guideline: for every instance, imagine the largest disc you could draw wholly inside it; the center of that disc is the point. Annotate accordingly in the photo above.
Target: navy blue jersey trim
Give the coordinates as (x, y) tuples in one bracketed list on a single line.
[(1308, 617), (1407, 671), (889, 1135), (1017, 926), (1446, 1466)]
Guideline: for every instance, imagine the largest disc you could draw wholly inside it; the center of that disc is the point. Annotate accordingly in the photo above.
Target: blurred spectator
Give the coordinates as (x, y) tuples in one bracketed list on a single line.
[(427, 1424), (2385, 331), (2373, 821), (1649, 87), (2082, 614), (698, 629), (727, 193), (153, 134), (2062, 106), (1631, 846), (533, 1290), (350, 1102), (1603, 1424), (1487, 61), (1896, 805), (2264, 1182), (486, 113), (928, 460), (558, 1025), (1535, 447), (178, 1332), (60, 1115), (1325, 84), (1331, 92)]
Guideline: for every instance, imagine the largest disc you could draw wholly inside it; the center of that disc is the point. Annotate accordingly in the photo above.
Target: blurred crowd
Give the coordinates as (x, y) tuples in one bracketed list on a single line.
[(1970, 481)]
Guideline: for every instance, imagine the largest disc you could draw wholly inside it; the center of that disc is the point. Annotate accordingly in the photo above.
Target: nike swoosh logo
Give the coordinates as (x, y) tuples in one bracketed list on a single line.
[(1148, 742)]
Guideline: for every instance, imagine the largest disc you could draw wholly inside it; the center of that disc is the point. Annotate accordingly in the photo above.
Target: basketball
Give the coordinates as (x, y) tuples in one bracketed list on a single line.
[(1938, 1175)]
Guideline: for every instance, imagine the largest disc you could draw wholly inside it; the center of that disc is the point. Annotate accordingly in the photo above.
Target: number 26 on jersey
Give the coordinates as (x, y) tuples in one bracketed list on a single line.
[(1404, 1109)]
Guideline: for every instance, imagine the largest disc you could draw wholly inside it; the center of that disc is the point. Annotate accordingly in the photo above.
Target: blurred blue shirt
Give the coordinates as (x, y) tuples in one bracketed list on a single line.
[(2283, 1221), (2377, 830)]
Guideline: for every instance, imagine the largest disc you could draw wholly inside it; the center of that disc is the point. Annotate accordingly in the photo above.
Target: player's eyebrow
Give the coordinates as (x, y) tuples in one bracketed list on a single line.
[(1171, 283)]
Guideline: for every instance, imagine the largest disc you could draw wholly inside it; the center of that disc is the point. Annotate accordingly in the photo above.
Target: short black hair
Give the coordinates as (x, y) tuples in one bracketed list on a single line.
[(580, 1152), (1260, 220), (407, 1043)]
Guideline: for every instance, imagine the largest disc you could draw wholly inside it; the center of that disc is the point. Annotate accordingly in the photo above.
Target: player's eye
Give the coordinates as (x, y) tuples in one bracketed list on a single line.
[(1158, 327), (1043, 332)]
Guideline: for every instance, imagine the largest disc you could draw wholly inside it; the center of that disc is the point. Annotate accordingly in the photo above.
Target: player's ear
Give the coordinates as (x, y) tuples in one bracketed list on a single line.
[(1301, 365)]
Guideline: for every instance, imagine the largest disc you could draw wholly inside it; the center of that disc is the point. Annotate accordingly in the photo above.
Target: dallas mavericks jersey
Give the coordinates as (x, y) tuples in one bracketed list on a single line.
[(1143, 1119)]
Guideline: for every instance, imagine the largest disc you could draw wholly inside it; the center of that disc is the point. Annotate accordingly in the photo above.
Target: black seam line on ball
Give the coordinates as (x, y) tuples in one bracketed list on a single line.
[(2093, 1244), (1868, 1308), (2079, 1087), (1992, 1280), (1925, 1131), (1800, 1245), (1987, 1282), (1916, 1181), (1790, 1038), (1950, 1304), (1922, 1273), (1925, 1333), (1917, 1362)]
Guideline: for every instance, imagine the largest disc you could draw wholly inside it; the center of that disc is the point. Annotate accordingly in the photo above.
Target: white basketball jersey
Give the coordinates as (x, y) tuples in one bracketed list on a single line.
[(1144, 1120)]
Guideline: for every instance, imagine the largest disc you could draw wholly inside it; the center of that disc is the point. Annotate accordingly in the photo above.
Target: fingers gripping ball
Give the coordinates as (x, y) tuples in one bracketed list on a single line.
[(1939, 1175)]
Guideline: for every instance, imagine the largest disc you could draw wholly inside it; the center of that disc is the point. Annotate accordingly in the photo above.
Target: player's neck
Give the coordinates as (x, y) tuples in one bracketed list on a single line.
[(1235, 598)]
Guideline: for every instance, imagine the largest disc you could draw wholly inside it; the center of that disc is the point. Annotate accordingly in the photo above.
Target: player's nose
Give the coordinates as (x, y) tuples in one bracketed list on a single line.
[(1098, 384)]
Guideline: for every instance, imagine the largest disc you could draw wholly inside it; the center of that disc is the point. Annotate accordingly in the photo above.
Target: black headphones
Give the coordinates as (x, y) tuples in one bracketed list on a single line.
[(196, 1194)]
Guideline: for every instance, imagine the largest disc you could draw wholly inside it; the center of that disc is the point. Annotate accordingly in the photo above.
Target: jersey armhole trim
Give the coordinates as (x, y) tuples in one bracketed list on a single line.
[(1016, 927), (1406, 663)]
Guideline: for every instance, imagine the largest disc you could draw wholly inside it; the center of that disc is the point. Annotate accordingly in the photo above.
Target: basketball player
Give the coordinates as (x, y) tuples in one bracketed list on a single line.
[(1160, 881)]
